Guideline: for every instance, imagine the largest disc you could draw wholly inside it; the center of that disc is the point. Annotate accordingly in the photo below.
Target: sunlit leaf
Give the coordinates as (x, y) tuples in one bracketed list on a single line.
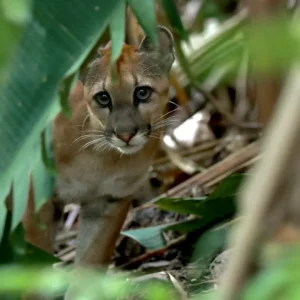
[(13, 17), (89, 284), (16, 11), (17, 279), (117, 30), (157, 290)]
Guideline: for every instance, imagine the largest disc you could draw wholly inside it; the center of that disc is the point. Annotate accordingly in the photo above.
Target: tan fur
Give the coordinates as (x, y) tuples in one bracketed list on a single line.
[(103, 179), (100, 171)]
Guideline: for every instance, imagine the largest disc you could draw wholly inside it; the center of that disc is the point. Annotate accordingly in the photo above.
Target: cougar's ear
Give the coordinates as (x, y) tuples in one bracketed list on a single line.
[(164, 50), (101, 50)]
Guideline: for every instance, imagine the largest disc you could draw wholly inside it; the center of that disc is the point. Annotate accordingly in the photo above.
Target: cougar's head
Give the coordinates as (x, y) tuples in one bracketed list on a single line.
[(126, 113)]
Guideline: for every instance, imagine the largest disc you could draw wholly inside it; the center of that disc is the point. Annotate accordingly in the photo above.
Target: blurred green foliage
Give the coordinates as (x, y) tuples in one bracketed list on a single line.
[(43, 45)]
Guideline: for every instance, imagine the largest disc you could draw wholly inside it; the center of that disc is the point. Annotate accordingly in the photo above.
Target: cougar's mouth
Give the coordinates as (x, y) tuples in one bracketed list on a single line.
[(131, 145), (130, 149)]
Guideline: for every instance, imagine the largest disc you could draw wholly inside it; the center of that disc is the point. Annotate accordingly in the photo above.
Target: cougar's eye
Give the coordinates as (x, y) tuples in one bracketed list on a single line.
[(142, 94), (103, 99)]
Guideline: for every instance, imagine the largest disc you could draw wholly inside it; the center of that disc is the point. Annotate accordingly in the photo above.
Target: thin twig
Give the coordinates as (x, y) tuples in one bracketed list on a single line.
[(154, 253)]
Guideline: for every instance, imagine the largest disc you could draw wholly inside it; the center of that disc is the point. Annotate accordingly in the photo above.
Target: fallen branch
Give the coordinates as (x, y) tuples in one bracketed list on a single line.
[(227, 166)]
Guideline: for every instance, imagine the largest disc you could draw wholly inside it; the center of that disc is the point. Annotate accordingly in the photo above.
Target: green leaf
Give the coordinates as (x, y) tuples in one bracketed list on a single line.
[(227, 190), (218, 207), (16, 11), (43, 183), (12, 22), (280, 280), (174, 18), (154, 289), (187, 226), (217, 58), (211, 242), (6, 250), (20, 192), (208, 246), (89, 284), (52, 44), (65, 88), (117, 30), (229, 187), (46, 147), (20, 279), (145, 14), (27, 254), (278, 34), (117, 34), (183, 60), (150, 237), (44, 170), (15, 250), (213, 212), (212, 9), (184, 206), (208, 295)]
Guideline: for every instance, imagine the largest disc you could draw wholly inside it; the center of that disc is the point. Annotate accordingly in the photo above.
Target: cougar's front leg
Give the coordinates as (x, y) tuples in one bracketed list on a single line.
[(100, 224)]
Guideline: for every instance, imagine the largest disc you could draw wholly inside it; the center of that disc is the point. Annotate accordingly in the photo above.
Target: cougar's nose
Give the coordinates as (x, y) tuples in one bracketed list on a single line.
[(126, 137)]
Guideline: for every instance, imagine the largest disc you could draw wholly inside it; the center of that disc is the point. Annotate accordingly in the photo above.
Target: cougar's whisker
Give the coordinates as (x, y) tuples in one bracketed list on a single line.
[(165, 114), (86, 136), (85, 146)]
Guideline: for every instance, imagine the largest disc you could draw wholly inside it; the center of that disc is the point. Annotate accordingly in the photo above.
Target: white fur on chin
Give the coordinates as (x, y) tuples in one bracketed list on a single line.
[(130, 149), (136, 144)]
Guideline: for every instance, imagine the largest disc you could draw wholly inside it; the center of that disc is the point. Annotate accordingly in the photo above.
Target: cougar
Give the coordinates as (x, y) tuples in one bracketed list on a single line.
[(104, 151)]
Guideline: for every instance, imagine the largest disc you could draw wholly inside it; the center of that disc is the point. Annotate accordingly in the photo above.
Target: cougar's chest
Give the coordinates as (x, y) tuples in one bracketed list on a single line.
[(88, 178)]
